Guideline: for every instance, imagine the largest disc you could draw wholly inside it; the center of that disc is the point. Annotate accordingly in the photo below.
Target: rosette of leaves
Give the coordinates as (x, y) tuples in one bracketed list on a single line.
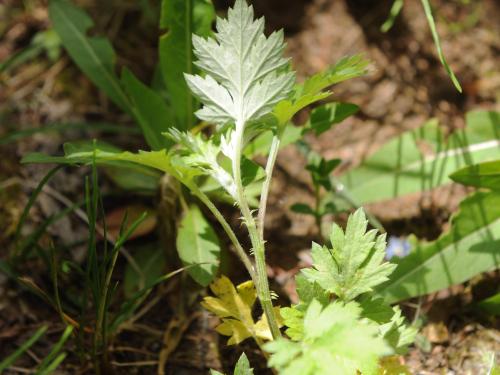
[(339, 326)]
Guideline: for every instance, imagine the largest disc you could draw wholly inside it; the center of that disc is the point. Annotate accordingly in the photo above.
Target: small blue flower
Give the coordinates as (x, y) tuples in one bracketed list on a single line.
[(397, 246)]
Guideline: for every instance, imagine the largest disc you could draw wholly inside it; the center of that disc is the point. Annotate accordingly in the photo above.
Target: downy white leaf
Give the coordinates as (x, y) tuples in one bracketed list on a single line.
[(244, 77)]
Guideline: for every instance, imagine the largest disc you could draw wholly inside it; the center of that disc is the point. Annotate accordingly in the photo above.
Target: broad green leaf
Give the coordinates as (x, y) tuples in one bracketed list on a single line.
[(335, 341), (432, 25), (467, 249), (181, 18), (324, 117), (197, 244), (490, 305), (303, 208), (151, 261), (150, 110), (244, 69), (251, 171), (94, 55), (353, 265), (421, 159), (234, 307), (482, 175), (133, 177), (70, 126)]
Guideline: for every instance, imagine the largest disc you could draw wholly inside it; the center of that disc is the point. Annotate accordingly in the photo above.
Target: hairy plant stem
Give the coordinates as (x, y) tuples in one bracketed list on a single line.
[(271, 160), (240, 252), (257, 243)]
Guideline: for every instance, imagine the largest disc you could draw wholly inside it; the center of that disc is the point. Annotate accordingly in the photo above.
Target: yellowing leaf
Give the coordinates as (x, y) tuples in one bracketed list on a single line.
[(392, 366), (262, 327), (234, 306)]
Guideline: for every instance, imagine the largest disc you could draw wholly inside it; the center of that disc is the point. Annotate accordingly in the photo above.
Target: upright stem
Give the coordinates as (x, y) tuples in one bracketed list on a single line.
[(257, 243), (271, 160), (229, 231)]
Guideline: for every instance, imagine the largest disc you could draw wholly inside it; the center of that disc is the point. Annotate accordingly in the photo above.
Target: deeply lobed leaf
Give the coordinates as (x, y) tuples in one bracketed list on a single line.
[(354, 264), (234, 307), (335, 341), (244, 69)]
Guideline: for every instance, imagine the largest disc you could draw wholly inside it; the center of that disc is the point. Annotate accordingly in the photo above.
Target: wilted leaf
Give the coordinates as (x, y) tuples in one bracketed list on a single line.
[(234, 307)]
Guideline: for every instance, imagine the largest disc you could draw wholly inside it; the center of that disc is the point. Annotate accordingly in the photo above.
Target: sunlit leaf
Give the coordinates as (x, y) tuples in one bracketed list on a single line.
[(468, 248)]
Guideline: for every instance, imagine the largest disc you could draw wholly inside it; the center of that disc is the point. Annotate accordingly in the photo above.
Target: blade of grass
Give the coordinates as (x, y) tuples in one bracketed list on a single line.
[(55, 364), (437, 42), (32, 200), (129, 306), (48, 362), (7, 362), (393, 14)]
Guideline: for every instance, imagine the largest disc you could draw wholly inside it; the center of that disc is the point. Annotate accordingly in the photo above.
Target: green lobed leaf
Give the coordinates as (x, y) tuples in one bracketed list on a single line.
[(398, 335), (482, 175), (94, 55), (198, 245), (312, 90), (354, 265), (467, 249), (421, 159), (392, 325), (335, 341)]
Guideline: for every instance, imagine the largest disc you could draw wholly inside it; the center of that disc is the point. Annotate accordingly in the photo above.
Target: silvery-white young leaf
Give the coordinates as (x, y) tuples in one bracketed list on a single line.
[(244, 77), (202, 154)]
